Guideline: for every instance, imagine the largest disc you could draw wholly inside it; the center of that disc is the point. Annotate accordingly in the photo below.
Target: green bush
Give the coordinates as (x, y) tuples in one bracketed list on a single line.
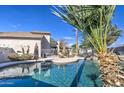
[(16, 57)]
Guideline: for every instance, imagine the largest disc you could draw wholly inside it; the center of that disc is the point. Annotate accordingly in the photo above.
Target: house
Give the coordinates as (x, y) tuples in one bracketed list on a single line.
[(25, 40), (119, 50)]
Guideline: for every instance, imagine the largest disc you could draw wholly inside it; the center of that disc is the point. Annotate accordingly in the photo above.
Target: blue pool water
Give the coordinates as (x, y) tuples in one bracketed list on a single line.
[(78, 74)]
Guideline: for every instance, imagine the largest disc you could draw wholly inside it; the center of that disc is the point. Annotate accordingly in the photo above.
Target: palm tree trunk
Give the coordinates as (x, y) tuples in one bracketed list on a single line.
[(109, 69), (77, 52)]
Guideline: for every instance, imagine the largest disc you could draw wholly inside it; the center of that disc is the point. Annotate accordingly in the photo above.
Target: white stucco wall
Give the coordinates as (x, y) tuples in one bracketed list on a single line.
[(17, 44)]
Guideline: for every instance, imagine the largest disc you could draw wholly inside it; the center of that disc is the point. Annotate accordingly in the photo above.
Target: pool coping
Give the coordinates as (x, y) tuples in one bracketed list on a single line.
[(58, 61), (22, 62)]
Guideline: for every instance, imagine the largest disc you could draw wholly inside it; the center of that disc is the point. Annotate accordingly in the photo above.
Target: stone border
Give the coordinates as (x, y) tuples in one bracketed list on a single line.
[(58, 61)]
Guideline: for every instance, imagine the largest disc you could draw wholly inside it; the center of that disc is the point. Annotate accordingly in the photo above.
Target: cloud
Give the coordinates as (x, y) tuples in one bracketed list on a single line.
[(68, 38), (15, 25)]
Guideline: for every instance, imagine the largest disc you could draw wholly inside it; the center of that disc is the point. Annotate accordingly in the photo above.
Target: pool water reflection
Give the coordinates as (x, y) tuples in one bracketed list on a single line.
[(47, 74)]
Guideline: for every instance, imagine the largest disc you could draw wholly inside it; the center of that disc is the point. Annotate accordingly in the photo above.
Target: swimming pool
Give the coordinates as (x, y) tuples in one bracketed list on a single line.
[(46, 74)]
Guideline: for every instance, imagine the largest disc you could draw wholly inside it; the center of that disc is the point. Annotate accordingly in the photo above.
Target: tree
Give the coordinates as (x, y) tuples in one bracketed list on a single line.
[(76, 36), (95, 23), (73, 47), (113, 34), (63, 51), (86, 45), (36, 52)]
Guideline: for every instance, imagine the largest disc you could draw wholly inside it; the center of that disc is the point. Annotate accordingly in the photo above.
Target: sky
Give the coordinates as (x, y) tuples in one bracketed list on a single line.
[(40, 18), (118, 19)]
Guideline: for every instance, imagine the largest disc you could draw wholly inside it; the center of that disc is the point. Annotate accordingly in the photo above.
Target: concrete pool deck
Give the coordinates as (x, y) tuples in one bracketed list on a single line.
[(66, 60), (55, 60)]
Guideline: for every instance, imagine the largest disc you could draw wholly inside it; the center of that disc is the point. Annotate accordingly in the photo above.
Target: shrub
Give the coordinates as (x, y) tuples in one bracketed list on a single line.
[(26, 57), (16, 57)]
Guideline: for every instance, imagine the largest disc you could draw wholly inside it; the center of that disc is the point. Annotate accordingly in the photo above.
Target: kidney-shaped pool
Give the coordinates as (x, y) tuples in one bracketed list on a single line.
[(46, 74)]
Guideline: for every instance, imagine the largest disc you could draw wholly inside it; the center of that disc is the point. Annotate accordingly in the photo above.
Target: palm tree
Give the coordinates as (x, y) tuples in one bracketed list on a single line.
[(76, 36), (95, 23), (113, 35)]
